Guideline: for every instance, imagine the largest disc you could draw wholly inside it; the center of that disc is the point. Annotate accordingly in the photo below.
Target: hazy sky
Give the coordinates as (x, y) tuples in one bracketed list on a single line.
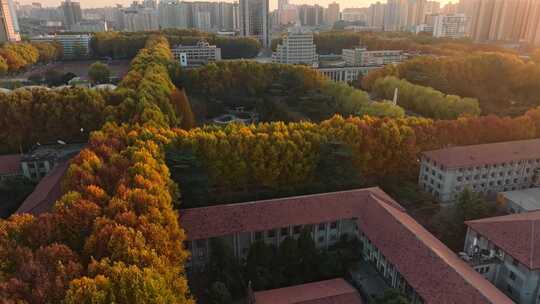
[(273, 3)]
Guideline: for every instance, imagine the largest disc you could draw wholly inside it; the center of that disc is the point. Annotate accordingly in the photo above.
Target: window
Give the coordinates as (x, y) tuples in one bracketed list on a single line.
[(322, 227), (200, 243), (321, 239), (512, 276), (333, 225), (258, 235), (271, 233), (284, 231), (297, 229)]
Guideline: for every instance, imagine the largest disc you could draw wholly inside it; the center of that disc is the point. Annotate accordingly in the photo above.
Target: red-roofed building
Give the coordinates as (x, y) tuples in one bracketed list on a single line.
[(10, 165), (46, 193), (336, 291), (506, 250), (486, 168), (406, 255)]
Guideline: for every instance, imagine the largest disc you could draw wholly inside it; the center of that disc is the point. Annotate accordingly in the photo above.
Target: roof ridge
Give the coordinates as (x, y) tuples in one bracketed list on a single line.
[(369, 190)]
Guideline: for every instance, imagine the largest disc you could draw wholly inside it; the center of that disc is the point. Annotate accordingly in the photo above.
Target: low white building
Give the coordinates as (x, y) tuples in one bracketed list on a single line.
[(74, 46), (344, 74), (506, 251), (363, 57), (201, 53), (450, 26), (486, 169), (297, 48)]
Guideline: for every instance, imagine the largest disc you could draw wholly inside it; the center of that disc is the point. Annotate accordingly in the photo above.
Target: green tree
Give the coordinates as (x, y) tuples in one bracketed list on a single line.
[(383, 108), (219, 294), (99, 73)]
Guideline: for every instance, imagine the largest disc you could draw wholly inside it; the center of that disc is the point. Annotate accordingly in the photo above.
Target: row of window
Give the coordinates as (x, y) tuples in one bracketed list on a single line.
[(283, 232)]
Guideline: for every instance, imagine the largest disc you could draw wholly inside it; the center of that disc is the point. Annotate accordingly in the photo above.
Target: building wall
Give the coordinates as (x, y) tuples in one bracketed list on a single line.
[(488, 179), (324, 235), (8, 23), (387, 270), (517, 281), (297, 48), (344, 74)]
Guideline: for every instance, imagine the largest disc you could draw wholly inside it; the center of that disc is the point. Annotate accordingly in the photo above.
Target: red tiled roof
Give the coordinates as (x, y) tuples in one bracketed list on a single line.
[(432, 269), (466, 156), (336, 291), (517, 234), (46, 193), (10, 164)]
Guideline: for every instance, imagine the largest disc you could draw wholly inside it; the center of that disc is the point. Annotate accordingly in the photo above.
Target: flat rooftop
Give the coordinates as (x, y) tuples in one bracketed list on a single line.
[(335, 291), (53, 151), (485, 154), (528, 199)]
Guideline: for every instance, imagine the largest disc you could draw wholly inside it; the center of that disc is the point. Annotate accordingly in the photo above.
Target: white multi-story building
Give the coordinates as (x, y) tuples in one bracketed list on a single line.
[(254, 21), (344, 74), (9, 27), (363, 57), (297, 48), (450, 26), (486, 169), (74, 46), (506, 251), (201, 53), (407, 256)]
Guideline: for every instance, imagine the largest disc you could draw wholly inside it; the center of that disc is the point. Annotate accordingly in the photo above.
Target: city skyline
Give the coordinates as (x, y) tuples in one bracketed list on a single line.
[(273, 3)]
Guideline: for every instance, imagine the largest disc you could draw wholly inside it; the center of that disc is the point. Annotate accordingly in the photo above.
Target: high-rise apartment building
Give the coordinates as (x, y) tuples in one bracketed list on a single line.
[(355, 14), (254, 20), (140, 19), (449, 26), (9, 28), (310, 15), (331, 14), (297, 48), (72, 13), (376, 15), (432, 7), (173, 14), (502, 20), (288, 14)]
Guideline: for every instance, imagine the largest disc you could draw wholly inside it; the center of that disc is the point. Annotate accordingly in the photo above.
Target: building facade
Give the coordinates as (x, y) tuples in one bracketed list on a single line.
[(520, 201), (297, 48), (140, 19), (72, 13), (74, 46), (506, 251), (486, 169), (201, 53), (90, 26), (9, 26), (450, 26), (344, 74), (254, 21), (363, 57), (331, 14), (310, 15)]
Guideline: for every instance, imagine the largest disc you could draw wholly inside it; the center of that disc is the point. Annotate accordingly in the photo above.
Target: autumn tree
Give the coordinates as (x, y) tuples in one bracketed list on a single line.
[(99, 73)]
